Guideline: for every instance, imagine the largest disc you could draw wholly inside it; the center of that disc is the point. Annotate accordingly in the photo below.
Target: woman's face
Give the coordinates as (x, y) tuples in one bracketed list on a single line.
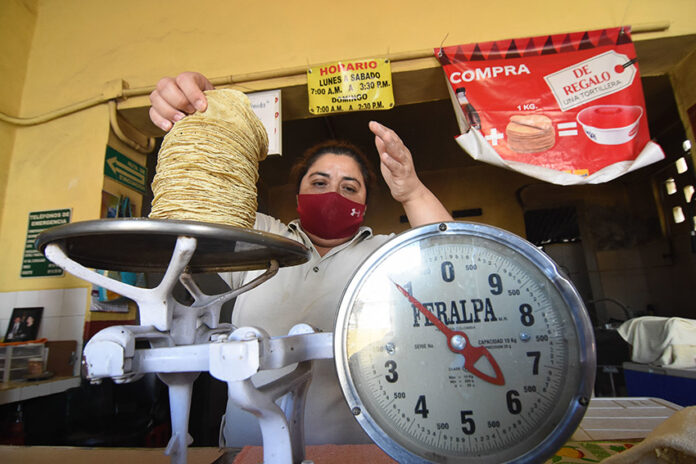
[(335, 173)]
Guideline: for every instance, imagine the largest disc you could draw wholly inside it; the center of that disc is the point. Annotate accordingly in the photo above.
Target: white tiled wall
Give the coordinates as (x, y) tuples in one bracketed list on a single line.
[(63, 315)]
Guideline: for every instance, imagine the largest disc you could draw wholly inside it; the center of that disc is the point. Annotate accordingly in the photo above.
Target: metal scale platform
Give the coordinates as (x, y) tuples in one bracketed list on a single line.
[(187, 340)]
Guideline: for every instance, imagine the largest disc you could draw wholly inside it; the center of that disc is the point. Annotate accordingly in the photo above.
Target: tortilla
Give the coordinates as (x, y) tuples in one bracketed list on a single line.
[(207, 167), (531, 133)]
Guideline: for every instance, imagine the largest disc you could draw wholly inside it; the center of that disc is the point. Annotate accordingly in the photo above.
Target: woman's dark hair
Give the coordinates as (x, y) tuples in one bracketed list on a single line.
[(336, 147)]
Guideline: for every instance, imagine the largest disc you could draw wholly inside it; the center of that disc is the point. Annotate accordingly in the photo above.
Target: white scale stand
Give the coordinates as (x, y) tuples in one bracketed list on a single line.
[(187, 340)]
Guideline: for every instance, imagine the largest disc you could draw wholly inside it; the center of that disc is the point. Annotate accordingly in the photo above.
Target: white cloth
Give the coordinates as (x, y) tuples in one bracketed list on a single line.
[(673, 441), (668, 342), (309, 293)]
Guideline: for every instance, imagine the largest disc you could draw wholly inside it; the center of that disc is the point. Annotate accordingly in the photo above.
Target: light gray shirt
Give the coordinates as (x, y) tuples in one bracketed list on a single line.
[(308, 293)]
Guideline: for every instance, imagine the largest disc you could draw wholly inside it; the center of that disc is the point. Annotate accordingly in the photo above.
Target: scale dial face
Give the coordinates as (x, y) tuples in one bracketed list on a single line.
[(460, 342)]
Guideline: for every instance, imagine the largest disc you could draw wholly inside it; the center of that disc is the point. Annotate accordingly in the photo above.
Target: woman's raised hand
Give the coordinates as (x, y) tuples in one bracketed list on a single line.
[(174, 98), (396, 164)]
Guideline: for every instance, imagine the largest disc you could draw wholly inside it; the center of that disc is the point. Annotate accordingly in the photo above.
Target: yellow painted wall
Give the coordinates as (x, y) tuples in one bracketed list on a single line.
[(78, 46), (17, 19), (56, 165)]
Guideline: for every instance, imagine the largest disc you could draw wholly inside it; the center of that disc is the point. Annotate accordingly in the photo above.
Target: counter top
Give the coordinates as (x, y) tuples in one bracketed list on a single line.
[(73, 455), (609, 426), (13, 391)]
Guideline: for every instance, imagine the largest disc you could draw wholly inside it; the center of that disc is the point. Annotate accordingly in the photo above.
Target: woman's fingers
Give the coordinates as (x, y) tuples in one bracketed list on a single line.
[(387, 141), (159, 120), (192, 85), (396, 169), (162, 113), (173, 98), (398, 158), (396, 162)]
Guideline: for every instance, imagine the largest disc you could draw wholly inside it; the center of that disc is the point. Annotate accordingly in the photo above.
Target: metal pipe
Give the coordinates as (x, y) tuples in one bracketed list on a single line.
[(113, 118)]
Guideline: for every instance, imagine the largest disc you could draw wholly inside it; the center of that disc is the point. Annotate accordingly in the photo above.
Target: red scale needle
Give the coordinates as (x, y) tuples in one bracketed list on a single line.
[(455, 340)]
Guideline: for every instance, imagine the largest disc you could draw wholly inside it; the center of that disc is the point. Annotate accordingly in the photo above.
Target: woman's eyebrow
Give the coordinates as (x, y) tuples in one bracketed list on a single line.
[(328, 176), (319, 173), (351, 179)]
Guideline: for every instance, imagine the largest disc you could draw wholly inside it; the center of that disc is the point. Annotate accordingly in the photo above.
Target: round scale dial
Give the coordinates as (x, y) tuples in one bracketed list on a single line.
[(460, 342)]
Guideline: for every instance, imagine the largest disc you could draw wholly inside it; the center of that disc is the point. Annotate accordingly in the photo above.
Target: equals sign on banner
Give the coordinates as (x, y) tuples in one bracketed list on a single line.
[(566, 129)]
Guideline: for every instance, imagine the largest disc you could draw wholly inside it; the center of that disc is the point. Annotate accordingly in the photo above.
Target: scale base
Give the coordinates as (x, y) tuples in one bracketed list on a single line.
[(186, 340)]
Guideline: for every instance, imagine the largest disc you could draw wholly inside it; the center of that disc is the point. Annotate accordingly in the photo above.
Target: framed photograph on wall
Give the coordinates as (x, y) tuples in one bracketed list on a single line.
[(24, 324)]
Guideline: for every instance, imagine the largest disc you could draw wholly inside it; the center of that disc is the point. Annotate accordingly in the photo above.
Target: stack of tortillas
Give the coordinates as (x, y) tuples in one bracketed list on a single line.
[(207, 167), (530, 133)]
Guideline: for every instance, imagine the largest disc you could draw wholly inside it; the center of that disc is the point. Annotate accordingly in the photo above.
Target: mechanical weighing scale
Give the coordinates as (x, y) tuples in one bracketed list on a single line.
[(454, 342)]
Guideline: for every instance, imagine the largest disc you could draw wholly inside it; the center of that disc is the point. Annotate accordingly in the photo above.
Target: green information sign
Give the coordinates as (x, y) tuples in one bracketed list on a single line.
[(124, 170), (34, 263)]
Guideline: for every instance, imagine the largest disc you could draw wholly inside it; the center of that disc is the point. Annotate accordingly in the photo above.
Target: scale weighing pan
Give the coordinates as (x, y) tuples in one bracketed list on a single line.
[(146, 245)]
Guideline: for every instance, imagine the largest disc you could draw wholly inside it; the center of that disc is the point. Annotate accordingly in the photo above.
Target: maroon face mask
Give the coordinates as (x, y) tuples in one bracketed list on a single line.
[(329, 215)]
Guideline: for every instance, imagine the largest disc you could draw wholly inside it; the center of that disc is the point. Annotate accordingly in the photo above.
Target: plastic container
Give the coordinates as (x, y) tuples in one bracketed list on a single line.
[(610, 124), (14, 359), (671, 384)]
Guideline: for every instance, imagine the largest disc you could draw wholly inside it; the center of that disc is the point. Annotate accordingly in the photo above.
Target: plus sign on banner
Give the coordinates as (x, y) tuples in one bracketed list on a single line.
[(494, 136), (565, 108)]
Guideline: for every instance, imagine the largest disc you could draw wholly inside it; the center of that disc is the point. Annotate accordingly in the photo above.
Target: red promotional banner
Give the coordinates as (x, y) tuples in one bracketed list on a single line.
[(567, 108)]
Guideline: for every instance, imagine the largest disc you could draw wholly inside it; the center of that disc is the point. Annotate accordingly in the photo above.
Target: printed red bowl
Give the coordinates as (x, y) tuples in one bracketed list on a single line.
[(610, 124)]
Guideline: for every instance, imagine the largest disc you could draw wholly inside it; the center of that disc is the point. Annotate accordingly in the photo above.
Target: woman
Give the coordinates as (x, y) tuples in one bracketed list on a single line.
[(332, 190)]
